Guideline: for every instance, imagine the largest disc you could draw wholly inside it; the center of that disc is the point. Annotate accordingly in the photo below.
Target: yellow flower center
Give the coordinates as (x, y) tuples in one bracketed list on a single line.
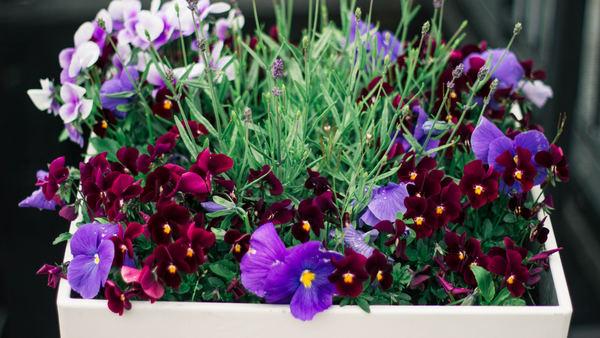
[(439, 210), (348, 278), (453, 95), (172, 269), (511, 279), (379, 276), (305, 226), (104, 125), (461, 256), (122, 297), (472, 265), (413, 175), (96, 259), (419, 221), (478, 190), (516, 159), (307, 278), (518, 174), (190, 252), (167, 104), (237, 248), (166, 229), (123, 248)]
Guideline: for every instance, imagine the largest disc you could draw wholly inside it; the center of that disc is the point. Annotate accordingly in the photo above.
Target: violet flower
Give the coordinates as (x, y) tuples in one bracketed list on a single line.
[(356, 240), (72, 95), (536, 92), (418, 132), (302, 280), (93, 255), (509, 72), (42, 98), (37, 198), (74, 135), (386, 203), (74, 60), (118, 85), (451, 289)]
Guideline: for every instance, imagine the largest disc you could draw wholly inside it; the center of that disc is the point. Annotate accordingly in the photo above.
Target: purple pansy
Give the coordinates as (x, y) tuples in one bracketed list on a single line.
[(92, 258), (386, 203), (37, 198), (356, 240), (266, 250), (74, 135), (118, 85), (72, 95), (302, 280), (418, 132), (488, 142), (509, 72)]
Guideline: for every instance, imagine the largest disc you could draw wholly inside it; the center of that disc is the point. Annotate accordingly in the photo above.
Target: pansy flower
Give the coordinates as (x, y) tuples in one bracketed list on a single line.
[(387, 201), (349, 274), (166, 222), (72, 95), (208, 166), (122, 190), (420, 279), (171, 261), (117, 299), (165, 107), (274, 185), (92, 258), (57, 174), (119, 85), (416, 210), (479, 185), (355, 239), (318, 184), (542, 258), (123, 244), (43, 98), (237, 289), (55, 273), (445, 207), (517, 168), (380, 270), (308, 216), (426, 184), (408, 171), (555, 161), (460, 251), (538, 232), (165, 143), (240, 244), (514, 273), (277, 213), (399, 232), (38, 199), (195, 241)]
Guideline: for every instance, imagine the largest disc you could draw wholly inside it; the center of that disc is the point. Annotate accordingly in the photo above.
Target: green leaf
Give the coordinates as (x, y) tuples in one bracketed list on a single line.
[(412, 254), (201, 118), (502, 296), (222, 271), (220, 213), (253, 53), (216, 282), (487, 228), (65, 236), (64, 135), (413, 235), (189, 144), (223, 202), (363, 304), (509, 218), (499, 231), (345, 301), (109, 145), (121, 95), (514, 302), (183, 288), (485, 283)]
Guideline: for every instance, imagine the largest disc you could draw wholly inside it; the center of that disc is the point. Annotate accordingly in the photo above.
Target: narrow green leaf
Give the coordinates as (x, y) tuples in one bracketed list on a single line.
[(201, 118), (121, 95), (501, 297), (364, 305), (484, 282), (253, 53), (64, 135), (487, 228), (65, 236), (189, 144)]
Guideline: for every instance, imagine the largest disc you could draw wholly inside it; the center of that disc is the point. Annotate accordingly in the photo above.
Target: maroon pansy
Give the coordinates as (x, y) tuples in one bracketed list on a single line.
[(164, 144), (171, 261), (122, 190), (117, 299), (274, 185), (420, 279), (240, 243), (55, 273), (195, 242), (122, 242), (416, 209), (555, 161), (398, 230), (480, 260), (380, 270), (196, 128), (510, 245), (444, 207), (95, 188), (460, 251), (105, 120), (386, 89), (408, 172), (530, 74), (208, 166), (518, 168), (308, 216), (146, 279), (538, 232), (316, 182), (516, 205), (451, 289), (166, 222), (277, 213), (542, 258), (426, 184), (128, 158), (86, 169), (57, 173), (237, 288), (165, 107), (349, 274), (514, 273), (478, 184)]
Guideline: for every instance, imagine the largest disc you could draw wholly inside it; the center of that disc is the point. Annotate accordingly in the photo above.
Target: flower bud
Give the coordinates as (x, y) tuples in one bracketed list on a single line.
[(450, 84), (405, 110), (483, 73), (177, 8), (425, 28), (518, 28), (202, 44), (298, 114), (384, 159), (493, 85), (386, 60), (101, 24), (458, 71), (277, 69), (365, 175), (437, 3), (357, 14), (147, 35), (326, 128), (305, 42)]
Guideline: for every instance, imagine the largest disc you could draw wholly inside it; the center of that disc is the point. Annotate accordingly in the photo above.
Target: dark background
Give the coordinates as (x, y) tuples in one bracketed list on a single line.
[(33, 32)]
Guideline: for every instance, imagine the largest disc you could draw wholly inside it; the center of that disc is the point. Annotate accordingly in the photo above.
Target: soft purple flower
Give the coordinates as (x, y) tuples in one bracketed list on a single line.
[(537, 92), (136, 23), (74, 60), (188, 24), (118, 85), (385, 204), (276, 91), (37, 199), (212, 206), (387, 44), (74, 135), (55, 273), (488, 142), (509, 72), (72, 95), (356, 240), (362, 29), (42, 98), (277, 69), (302, 280), (92, 258), (266, 250), (419, 134)]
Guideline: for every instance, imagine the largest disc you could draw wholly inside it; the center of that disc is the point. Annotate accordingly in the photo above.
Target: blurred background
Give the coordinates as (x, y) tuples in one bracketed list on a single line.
[(562, 37)]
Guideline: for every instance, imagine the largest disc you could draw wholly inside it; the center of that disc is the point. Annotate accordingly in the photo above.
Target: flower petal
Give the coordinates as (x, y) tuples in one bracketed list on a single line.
[(482, 136)]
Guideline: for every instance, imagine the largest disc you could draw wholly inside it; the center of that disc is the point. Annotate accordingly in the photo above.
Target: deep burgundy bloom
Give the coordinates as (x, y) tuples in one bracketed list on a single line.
[(416, 209), (146, 279), (518, 168), (165, 143), (171, 261), (240, 243), (444, 207), (57, 173), (122, 242), (96, 187), (386, 89), (208, 166), (451, 289), (165, 107), (164, 182), (399, 232), (238, 289), (55, 273), (117, 299), (122, 190), (86, 169), (278, 213), (316, 182), (166, 222), (196, 128), (515, 274), (479, 185), (408, 172), (420, 279), (128, 158), (107, 120), (195, 242), (530, 74), (349, 274), (308, 216), (539, 233), (276, 188), (555, 161), (380, 270), (426, 184), (516, 204), (542, 258), (461, 252)]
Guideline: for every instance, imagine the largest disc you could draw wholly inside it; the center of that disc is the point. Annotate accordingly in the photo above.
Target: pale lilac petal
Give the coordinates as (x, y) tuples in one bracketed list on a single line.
[(74, 135), (126, 85), (356, 240), (65, 78), (537, 92), (221, 28), (154, 76), (108, 22), (86, 108), (38, 200), (421, 119), (368, 218), (150, 22), (131, 9), (84, 33), (229, 71), (197, 70), (219, 7), (111, 87), (154, 6), (85, 56), (68, 112), (482, 136), (65, 56), (41, 175), (388, 201), (41, 98)]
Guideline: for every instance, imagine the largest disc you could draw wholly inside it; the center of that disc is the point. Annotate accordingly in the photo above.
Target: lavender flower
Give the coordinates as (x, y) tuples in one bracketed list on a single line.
[(74, 135), (386, 203), (92, 258), (276, 91), (536, 92), (37, 198), (508, 72), (458, 71), (277, 69), (72, 95)]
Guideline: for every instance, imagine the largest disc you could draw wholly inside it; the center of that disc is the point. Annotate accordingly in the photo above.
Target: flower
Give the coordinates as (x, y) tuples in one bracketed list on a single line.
[(238, 290), (117, 299), (515, 274), (74, 135), (171, 261), (555, 160), (277, 213), (119, 85), (420, 279), (387, 201), (195, 241), (147, 278), (418, 133), (417, 211), (240, 243), (74, 60), (122, 242), (43, 98), (308, 216), (56, 175), (542, 258), (451, 289), (38, 199), (210, 165), (349, 274), (316, 182), (72, 95), (356, 240), (92, 258), (277, 69), (165, 107), (301, 279), (380, 270), (461, 252), (408, 172), (480, 186), (166, 222), (445, 207), (508, 72), (427, 184), (536, 92), (538, 232), (399, 232), (276, 188), (55, 273), (517, 168), (266, 251)]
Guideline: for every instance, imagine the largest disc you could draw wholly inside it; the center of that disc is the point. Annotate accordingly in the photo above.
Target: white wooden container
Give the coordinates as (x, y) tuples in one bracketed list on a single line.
[(92, 318)]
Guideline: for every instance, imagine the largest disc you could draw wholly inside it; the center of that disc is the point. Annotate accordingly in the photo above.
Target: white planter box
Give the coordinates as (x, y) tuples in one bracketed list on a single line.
[(92, 318)]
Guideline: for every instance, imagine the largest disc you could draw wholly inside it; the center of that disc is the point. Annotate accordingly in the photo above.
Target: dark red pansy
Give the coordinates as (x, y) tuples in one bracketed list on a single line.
[(195, 241), (122, 242), (240, 244), (274, 185), (555, 161), (420, 279), (237, 289), (86, 169), (416, 210), (308, 216), (518, 168), (538, 232), (316, 182), (118, 301), (128, 158), (444, 207), (349, 274), (171, 261), (461, 251), (165, 143), (480, 260), (479, 185), (530, 74), (426, 184), (195, 127), (165, 107), (122, 190), (514, 273), (516, 204), (208, 166), (398, 230), (510, 245), (277, 213), (166, 222), (408, 171), (95, 188), (105, 120), (57, 173), (380, 270)]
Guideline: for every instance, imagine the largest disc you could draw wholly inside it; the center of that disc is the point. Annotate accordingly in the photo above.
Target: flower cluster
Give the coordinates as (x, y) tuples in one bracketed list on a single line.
[(246, 169)]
